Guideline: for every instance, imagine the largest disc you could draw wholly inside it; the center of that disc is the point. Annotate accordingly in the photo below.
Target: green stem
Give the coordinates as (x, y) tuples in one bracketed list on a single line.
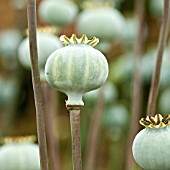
[(75, 133), (31, 15), (153, 94)]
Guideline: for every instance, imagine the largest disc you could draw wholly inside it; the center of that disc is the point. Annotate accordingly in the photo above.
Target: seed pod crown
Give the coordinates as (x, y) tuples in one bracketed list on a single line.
[(157, 121)]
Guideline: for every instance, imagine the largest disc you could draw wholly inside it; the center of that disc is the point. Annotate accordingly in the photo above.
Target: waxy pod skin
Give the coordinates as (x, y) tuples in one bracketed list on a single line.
[(76, 68), (151, 145)]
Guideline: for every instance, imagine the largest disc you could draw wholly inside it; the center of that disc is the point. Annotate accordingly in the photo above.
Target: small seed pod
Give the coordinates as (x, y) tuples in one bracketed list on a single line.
[(115, 120), (76, 68), (19, 154), (46, 44), (101, 20), (9, 42), (57, 12), (110, 94), (151, 145)]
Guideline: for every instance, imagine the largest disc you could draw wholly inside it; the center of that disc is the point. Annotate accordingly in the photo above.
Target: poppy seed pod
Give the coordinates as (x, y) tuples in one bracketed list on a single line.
[(46, 44), (76, 68), (19, 155), (9, 42), (102, 21), (57, 12), (151, 145)]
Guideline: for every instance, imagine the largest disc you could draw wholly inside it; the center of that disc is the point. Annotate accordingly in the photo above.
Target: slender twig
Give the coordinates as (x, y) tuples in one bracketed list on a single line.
[(31, 12), (50, 110), (153, 94), (136, 100), (94, 133), (74, 112)]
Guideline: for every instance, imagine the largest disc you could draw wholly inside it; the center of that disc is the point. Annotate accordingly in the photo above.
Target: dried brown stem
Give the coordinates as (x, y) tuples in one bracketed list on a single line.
[(153, 94), (94, 133), (136, 100), (50, 110), (31, 15), (75, 134)]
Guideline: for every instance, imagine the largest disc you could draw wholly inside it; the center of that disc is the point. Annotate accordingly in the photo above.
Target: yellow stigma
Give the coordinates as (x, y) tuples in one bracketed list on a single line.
[(83, 40), (158, 121), (19, 139)]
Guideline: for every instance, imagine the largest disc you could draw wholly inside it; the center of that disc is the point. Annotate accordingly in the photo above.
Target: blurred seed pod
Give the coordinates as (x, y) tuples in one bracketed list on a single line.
[(57, 12), (19, 155), (121, 72), (9, 91), (106, 23), (110, 94), (148, 63), (115, 120), (129, 34), (9, 42), (46, 44)]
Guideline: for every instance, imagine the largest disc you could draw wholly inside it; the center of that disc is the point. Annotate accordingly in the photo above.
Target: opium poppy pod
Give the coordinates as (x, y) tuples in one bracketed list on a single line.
[(76, 68), (106, 22), (151, 145), (46, 44), (19, 154), (58, 12)]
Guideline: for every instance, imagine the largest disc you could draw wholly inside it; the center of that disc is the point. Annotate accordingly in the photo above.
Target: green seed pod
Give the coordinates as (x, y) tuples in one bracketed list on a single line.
[(19, 155), (151, 145), (46, 44), (148, 63), (76, 68), (9, 91), (57, 12), (102, 21), (110, 94), (9, 42), (115, 120)]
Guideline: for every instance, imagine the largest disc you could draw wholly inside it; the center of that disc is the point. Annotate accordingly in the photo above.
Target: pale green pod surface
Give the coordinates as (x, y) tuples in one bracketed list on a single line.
[(9, 41), (76, 69), (9, 91), (57, 12), (46, 44), (121, 72), (104, 23), (110, 94), (151, 148), (115, 120), (19, 156)]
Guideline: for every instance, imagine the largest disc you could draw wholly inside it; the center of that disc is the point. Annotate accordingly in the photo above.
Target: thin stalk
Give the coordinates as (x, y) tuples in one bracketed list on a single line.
[(153, 94), (31, 14), (137, 84), (74, 112), (94, 133), (50, 110)]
